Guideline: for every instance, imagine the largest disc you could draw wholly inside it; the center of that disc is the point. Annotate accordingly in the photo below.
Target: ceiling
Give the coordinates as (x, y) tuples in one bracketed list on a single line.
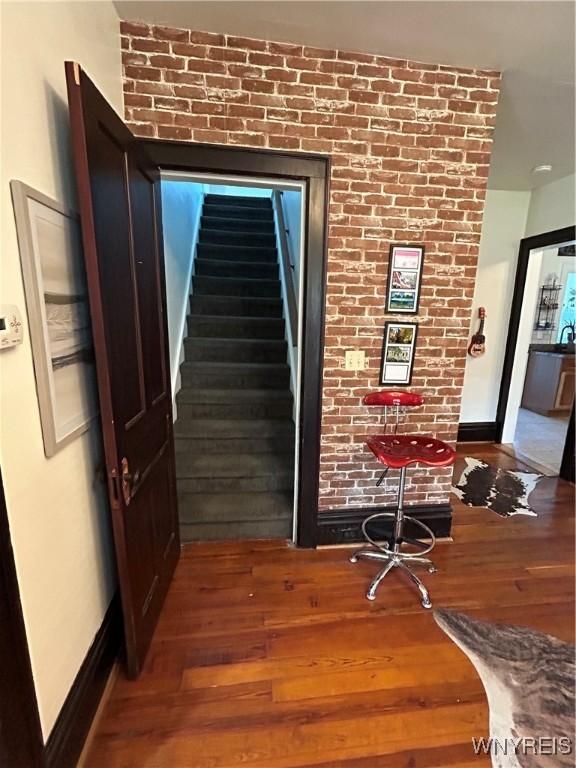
[(531, 41)]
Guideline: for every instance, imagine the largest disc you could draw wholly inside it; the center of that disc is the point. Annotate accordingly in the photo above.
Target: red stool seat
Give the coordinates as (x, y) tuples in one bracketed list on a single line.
[(399, 451)]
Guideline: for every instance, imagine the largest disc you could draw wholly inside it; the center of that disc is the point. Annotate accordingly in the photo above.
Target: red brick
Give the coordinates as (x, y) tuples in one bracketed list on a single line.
[(150, 45), (168, 33), (174, 132), (137, 100), (281, 75), (135, 29), (285, 48), (128, 57), (206, 38), (143, 73), (189, 49), (245, 42), (167, 62)]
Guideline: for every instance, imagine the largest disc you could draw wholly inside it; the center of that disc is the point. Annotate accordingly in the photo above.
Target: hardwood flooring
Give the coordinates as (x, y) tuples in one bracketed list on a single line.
[(271, 657)]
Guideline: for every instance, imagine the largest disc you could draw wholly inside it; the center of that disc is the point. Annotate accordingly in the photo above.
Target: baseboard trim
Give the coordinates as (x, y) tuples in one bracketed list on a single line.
[(65, 743), (344, 526), (477, 432)]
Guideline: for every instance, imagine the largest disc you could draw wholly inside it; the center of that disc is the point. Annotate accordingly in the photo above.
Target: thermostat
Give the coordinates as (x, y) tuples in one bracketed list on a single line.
[(10, 326)]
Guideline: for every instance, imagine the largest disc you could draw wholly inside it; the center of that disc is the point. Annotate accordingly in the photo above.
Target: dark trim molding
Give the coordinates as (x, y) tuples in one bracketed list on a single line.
[(567, 468), (314, 171), (343, 526), (546, 240), (65, 743), (477, 432), (21, 743)]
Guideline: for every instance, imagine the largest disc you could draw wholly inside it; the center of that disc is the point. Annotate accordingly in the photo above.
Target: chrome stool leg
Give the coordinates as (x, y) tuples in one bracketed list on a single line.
[(371, 594), (426, 602), (368, 554), (394, 557), (423, 561)]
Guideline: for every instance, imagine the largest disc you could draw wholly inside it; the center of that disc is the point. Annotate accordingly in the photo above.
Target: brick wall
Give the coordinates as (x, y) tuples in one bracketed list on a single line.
[(410, 146)]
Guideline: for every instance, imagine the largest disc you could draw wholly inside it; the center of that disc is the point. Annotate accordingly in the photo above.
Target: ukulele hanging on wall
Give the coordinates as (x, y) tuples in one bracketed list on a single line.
[(477, 345)]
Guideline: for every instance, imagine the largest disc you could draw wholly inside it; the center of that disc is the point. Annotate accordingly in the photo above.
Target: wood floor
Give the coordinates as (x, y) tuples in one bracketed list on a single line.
[(272, 657)]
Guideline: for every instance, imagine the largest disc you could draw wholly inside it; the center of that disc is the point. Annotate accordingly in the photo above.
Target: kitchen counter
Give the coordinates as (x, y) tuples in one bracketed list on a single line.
[(551, 349), (550, 380)]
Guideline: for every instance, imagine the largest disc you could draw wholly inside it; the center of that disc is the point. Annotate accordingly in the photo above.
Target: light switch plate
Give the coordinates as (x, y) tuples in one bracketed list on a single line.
[(355, 360)]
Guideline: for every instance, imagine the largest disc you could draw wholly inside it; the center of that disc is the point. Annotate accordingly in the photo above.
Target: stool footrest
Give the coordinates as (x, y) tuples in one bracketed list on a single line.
[(391, 554)]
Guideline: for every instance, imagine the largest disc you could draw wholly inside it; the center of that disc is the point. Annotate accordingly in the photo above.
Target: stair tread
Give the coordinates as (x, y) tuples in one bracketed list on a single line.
[(234, 395), (231, 279), (236, 248), (232, 428), (236, 507), (197, 465), (224, 340), (239, 200), (272, 300), (237, 366), (235, 318), (237, 220), (232, 262)]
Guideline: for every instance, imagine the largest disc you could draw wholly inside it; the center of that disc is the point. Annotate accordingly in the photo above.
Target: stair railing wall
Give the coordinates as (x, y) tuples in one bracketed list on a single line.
[(289, 289), (177, 355)]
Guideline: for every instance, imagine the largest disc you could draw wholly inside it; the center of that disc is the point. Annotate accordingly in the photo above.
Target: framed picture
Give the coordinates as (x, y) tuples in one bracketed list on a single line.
[(58, 315), (404, 277), (398, 353)]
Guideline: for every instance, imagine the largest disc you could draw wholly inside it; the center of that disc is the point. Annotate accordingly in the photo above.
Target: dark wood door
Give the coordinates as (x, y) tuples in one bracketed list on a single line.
[(120, 212)]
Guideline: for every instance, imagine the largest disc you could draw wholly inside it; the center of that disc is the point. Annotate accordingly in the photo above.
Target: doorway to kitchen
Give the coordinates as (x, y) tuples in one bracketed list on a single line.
[(233, 255), (536, 406)]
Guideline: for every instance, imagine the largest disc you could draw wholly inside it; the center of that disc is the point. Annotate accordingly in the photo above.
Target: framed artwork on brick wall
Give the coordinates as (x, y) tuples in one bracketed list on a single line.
[(398, 353), (404, 278)]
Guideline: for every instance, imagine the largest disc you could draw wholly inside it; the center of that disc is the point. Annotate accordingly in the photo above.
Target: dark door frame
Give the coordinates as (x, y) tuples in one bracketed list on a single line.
[(527, 244), (314, 171), (21, 742)]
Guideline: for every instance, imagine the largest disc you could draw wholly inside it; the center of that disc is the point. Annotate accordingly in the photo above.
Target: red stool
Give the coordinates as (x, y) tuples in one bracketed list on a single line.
[(397, 452)]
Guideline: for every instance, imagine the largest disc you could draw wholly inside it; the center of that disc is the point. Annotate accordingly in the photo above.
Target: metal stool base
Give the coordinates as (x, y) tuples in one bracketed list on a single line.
[(394, 557), (395, 560)]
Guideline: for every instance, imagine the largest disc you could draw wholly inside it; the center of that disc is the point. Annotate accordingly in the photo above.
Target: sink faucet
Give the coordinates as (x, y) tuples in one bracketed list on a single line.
[(571, 328)]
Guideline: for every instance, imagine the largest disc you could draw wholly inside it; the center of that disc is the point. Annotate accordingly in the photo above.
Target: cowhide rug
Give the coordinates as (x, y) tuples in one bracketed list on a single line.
[(529, 683), (501, 490)]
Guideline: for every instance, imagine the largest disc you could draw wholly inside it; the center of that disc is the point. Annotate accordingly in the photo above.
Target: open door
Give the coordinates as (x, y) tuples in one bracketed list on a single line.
[(120, 212)]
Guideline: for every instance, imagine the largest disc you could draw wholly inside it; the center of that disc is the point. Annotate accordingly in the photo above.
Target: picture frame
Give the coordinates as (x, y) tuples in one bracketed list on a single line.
[(405, 266), (398, 348), (52, 265)]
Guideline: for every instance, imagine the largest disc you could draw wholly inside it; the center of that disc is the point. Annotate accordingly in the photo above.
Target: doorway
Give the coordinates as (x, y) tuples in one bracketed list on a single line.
[(118, 178), (536, 406), (234, 258)]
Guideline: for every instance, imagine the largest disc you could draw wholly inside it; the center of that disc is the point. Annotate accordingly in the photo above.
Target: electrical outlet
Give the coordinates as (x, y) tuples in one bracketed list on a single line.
[(355, 360)]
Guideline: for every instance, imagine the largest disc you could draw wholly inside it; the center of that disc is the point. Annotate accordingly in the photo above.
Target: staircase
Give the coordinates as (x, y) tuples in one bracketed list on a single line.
[(234, 432)]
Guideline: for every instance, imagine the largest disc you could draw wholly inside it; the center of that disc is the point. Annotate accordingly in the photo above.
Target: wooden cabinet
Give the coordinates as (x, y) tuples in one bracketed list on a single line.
[(549, 383)]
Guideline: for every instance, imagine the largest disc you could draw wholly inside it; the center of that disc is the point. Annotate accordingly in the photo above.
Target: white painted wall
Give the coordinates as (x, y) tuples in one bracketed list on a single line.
[(222, 189), (522, 345), (56, 507), (552, 206), (504, 224), (181, 210)]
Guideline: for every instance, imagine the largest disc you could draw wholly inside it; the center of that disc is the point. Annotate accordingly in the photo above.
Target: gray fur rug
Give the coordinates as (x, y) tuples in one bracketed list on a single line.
[(529, 682), (501, 490)]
